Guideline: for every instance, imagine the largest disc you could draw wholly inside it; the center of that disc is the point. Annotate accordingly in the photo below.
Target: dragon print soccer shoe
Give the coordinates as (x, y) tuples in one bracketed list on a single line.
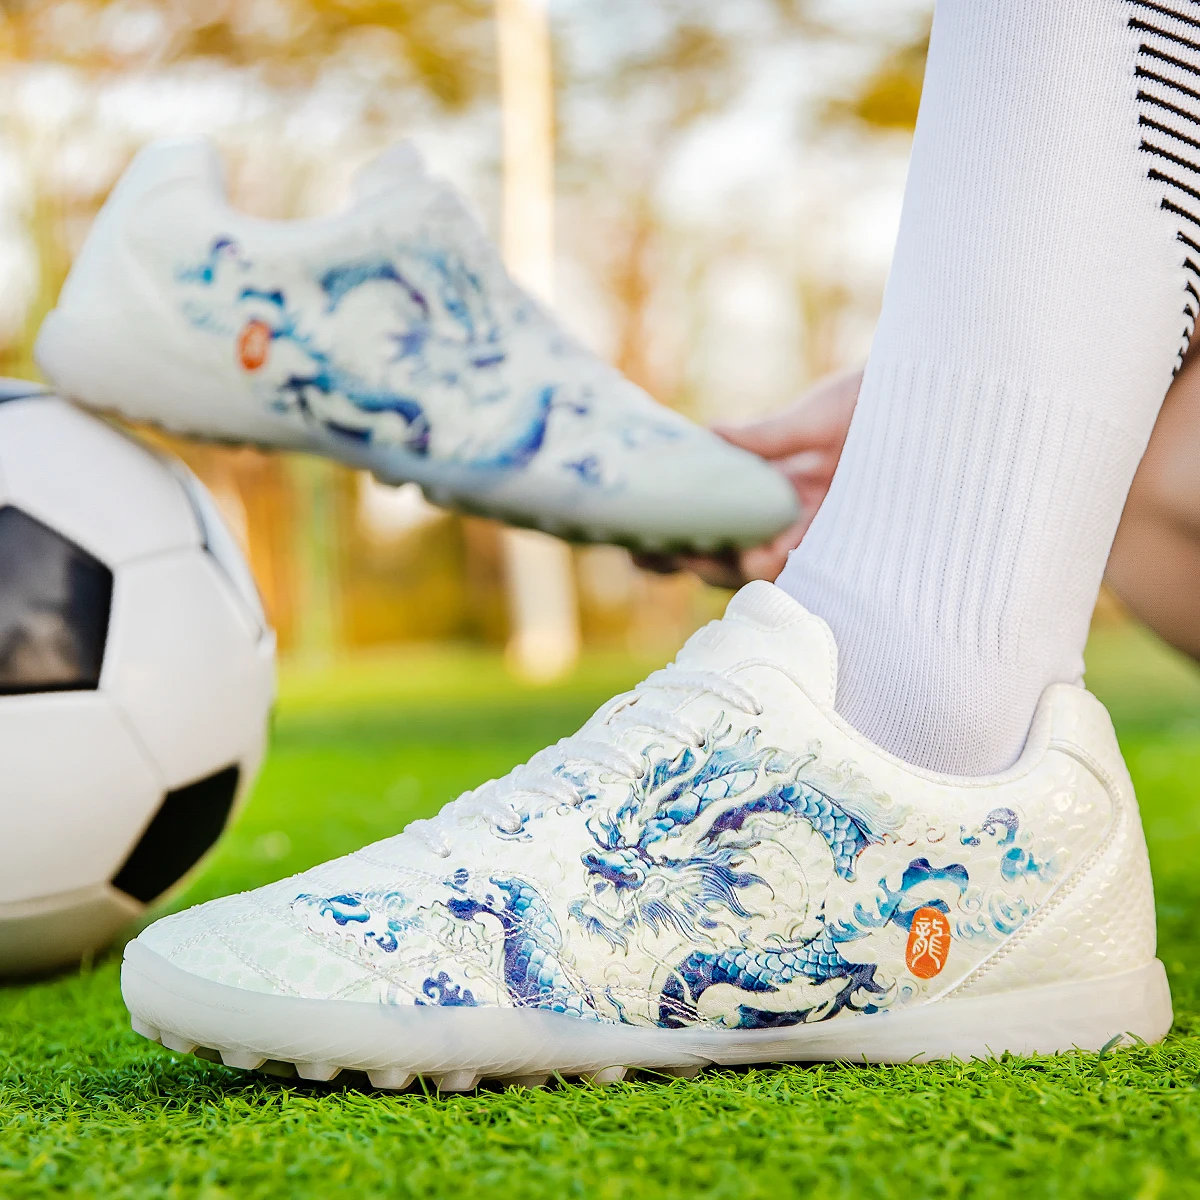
[(715, 869), (388, 337)]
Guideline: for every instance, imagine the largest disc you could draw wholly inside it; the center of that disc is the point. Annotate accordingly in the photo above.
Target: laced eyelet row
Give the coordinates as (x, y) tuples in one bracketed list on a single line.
[(540, 779)]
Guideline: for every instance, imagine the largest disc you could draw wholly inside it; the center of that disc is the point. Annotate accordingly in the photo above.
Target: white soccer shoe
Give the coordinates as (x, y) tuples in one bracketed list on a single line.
[(388, 337), (715, 869)]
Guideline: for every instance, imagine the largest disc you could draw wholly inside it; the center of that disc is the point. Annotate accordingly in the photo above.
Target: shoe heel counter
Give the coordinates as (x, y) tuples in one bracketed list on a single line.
[(81, 345), (1101, 921), (168, 163)]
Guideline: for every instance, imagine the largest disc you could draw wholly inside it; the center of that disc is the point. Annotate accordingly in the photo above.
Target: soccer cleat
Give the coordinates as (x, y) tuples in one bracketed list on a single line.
[(715, 869), (390, 338)]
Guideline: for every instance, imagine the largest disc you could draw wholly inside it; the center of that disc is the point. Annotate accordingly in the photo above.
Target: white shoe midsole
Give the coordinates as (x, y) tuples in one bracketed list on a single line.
[(514, 1041), (91, 369)]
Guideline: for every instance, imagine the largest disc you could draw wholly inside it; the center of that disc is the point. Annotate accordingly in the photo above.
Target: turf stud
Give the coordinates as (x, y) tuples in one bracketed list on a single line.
[(605, 1075), (180, 1045), (244, 1060), (318, 1072), (145, 1029), (391, 1079), (686, 1072), (455, 1081)]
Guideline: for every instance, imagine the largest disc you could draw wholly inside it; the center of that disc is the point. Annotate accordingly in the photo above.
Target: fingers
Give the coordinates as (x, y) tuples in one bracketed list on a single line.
[(803, 442), (808, 464)]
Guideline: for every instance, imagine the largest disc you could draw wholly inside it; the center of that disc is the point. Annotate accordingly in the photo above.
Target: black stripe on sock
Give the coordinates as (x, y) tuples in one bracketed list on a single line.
[(1167, 156), (1149, 6), (1166, 35), (1167, 206), (1155, 174), (1182, 102), (1160, 56), (1158, 102), (1158, 126), (1143, 73)]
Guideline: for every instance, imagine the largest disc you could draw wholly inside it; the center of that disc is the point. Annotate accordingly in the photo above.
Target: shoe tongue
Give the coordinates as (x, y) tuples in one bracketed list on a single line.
[(764, 622), (401, 166)]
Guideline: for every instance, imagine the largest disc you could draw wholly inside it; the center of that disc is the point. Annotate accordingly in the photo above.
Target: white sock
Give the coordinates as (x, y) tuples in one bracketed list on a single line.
[(1044, 285)]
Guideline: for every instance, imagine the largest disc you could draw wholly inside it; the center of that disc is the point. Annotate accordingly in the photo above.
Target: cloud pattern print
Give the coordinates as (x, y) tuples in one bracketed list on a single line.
[(678, 915)]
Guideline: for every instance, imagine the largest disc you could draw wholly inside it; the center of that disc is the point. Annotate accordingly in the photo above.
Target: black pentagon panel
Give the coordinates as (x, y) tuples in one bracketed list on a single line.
[(55, 600), (188, 822)]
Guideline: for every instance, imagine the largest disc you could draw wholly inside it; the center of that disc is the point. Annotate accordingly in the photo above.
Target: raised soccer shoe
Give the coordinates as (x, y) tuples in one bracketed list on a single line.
[(388, 337), (715, 869)]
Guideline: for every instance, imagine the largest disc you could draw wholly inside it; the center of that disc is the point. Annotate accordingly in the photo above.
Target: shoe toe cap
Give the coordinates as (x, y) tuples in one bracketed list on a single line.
[(252, 942), (697, 495), (736, 498)]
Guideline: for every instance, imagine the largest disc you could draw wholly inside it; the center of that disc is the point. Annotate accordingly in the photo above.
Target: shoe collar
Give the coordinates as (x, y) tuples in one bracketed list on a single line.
[(763, 622)]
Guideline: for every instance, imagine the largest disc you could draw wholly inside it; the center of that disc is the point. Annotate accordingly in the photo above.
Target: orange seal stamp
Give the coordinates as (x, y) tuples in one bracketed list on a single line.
[(928, 942), (253, 344)]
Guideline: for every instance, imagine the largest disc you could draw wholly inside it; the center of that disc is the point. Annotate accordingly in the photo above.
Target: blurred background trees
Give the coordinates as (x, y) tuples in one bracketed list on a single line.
[(728, 179)]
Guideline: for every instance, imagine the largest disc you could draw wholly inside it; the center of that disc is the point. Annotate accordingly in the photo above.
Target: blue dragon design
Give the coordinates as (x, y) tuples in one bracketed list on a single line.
[(446, 336), (678, 880), (679, 826), (533, 966)]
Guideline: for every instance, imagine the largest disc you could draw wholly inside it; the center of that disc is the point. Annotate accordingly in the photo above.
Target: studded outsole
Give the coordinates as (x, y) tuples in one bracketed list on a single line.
[(453, 1049), (391, 1079), (445, 497)]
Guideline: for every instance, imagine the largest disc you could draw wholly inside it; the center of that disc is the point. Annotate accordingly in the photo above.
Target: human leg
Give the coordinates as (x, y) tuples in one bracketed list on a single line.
[(1036, 308)]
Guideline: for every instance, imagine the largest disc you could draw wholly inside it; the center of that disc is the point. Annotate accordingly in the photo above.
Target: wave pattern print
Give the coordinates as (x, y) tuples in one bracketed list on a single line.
[(1168, 96)]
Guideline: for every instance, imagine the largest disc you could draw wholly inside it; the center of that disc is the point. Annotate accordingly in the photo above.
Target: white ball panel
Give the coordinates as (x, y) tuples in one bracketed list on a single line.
[(76, 793), (97, 486), (184, 665), (3, 485), (219, 541)]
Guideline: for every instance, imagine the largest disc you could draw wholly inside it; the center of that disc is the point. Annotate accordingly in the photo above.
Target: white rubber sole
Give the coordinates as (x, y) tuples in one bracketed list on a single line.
[(457, 1047)]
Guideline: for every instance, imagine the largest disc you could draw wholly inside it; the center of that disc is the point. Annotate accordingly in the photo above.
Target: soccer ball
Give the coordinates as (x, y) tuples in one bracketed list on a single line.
[(136, 678)]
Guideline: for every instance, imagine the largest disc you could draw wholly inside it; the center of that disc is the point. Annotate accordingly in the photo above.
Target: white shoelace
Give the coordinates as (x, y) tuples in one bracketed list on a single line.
[(538, 781)]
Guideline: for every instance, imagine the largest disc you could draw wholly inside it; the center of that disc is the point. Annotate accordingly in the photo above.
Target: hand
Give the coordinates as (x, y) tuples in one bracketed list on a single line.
[(804, 441)]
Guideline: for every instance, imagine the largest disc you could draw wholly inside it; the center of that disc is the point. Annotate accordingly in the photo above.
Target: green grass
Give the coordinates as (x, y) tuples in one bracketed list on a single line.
[(89, 1109)]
